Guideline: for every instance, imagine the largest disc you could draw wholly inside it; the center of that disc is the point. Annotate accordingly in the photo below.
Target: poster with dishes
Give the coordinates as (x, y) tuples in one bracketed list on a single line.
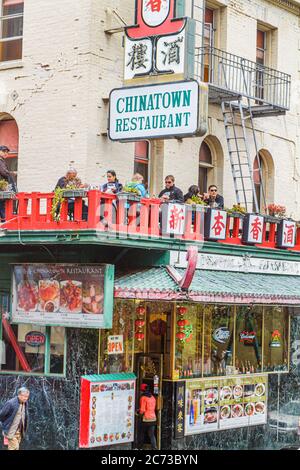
[(63, 295), (107, 410), (225, 403)]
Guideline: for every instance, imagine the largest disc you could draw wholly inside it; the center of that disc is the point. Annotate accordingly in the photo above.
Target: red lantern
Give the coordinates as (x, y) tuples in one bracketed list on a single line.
[(182, 310), (139, 336), (180, 335), (182, 323), (141, 311), (139, 323)]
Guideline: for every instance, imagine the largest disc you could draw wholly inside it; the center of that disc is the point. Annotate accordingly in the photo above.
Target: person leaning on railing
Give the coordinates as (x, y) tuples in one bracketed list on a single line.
[(171, 193), (72, 182), (5, 175), (113, 186), (212, 198)]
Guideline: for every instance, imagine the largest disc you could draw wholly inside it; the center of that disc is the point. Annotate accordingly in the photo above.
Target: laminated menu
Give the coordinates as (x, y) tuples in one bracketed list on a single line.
[(225, 403)]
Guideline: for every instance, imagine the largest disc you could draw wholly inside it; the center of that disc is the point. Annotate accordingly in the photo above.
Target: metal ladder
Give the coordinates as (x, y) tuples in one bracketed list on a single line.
[(239, 153)]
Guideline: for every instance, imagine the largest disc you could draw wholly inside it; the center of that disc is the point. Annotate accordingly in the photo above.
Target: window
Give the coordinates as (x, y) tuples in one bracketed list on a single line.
[(208, 42), (205, 166), (30, 349), (9, 136), (141, 160), (259, 177), (248, 339), (11, 39), (276, 329), (261, 50)]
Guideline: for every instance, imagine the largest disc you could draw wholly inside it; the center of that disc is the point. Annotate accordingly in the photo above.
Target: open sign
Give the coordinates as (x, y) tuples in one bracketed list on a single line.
[(35, 339), (115, 344)]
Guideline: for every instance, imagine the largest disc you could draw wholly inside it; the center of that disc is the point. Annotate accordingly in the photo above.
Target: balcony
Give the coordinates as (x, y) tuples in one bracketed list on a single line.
[(231, 77), (113, 220)]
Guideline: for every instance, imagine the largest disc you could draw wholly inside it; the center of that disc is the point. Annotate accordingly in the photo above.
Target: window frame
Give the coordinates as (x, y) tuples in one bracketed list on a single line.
[(5, 299), (11, 38)]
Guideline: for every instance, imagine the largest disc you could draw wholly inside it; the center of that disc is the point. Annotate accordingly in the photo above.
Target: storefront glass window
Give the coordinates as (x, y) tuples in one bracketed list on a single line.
[(188, 355), (159, 332), (275, 339), (218, 339), (248, 339), (117, 345), (32, 349)]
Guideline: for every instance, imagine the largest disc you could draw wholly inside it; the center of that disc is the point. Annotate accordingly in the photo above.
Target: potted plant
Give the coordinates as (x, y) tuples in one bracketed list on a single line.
[(276, 212), (74, 189), (237, 211), (5, 192), (130, 193)]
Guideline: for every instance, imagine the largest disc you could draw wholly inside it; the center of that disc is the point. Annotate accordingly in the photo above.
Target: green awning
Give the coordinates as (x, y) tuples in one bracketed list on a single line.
[(210, 286)]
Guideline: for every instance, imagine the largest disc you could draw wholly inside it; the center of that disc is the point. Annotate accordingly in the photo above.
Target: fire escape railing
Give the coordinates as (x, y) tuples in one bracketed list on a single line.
[(226, 71)]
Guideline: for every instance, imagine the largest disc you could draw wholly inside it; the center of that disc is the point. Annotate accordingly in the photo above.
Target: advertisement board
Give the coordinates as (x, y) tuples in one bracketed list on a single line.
[(107, 410), (225, 403), (63, 295), (155, 111)]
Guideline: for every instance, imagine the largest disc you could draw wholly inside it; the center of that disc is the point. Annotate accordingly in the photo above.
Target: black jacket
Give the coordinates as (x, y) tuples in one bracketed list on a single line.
[(219, 201), (5, 174), (175, 194), (9, 411)]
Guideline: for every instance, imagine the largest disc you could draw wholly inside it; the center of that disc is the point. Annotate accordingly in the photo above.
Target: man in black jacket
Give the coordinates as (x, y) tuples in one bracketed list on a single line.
[(14, 419), (171, 193), (212, 198)]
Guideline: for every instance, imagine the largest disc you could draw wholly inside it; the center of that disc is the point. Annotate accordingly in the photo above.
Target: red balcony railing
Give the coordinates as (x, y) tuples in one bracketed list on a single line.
[(121, 217)]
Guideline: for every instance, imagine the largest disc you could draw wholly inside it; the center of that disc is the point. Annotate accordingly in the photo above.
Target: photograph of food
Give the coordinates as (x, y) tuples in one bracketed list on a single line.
[(249, 409), (225, 393), (260, 407), (260, 390), (237, 411), (238, 391), (117, 436), (92, 301), (105, 437), (111, 437), (210, 396), (123, 435), (225, 412), (249, 390), (95, 389), (98, 439), (49, 295), (92, 440), (210, 415), (71, 296), (27, 295)]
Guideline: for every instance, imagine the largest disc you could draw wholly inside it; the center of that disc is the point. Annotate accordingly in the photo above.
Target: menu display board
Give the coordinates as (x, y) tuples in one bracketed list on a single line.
[(63, 295), (225, 403), (107, 410)]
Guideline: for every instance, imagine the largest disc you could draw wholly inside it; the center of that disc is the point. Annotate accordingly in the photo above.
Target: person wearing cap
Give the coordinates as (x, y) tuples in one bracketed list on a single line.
[(6, 175), (148, 415), (71, 180)]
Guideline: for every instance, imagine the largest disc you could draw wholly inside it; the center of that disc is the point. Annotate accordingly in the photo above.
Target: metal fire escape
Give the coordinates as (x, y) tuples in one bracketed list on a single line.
[(245, 91)]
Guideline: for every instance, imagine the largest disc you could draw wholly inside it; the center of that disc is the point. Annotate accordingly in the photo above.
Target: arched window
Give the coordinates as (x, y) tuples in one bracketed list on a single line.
[(205, 166), (264, 184), (9, 136), (141, 160)]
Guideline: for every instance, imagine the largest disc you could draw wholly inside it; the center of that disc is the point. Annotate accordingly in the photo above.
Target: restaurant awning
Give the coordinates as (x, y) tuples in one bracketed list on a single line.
[(209, 286)]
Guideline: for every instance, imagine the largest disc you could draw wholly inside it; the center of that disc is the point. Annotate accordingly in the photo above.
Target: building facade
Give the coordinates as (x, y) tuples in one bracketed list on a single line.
[(221, 337)]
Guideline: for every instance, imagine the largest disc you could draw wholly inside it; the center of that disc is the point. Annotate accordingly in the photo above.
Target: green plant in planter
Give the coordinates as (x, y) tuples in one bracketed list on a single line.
[(3, 185), (236, 208), (198, 200), (130, 189), (57, 203)]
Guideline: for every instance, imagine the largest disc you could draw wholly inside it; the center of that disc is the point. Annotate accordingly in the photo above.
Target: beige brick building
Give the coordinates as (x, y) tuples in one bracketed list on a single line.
[(57, 91)]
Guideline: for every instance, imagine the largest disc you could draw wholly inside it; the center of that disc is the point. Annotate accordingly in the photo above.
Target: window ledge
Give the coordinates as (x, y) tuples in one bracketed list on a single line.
[(11, 64)]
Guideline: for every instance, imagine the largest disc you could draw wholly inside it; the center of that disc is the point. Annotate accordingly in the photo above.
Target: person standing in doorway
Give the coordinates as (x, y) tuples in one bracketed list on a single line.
[(148, 416), (5, 175), (14, 419)]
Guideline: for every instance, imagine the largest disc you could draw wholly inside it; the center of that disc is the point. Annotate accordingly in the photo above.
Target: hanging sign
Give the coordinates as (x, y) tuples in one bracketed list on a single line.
[(107, 410), (286, 234), (221, 335), (253, 229), (215, 224), (155, 111), (276, 339), (115, 345), (63, 295), (179, 409), (35, 339), (247, 337), (173, 218)]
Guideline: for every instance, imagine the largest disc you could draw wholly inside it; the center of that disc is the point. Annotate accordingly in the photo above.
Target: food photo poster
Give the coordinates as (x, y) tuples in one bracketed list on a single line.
[(63, 295)]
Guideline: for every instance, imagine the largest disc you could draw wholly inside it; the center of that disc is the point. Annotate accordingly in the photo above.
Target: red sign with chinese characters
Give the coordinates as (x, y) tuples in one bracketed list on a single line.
[(155, 18), (215, 224)]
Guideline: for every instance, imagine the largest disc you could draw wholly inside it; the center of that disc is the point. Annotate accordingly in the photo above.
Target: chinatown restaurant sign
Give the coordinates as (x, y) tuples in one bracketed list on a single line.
[(154, 111), (72, 295)]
